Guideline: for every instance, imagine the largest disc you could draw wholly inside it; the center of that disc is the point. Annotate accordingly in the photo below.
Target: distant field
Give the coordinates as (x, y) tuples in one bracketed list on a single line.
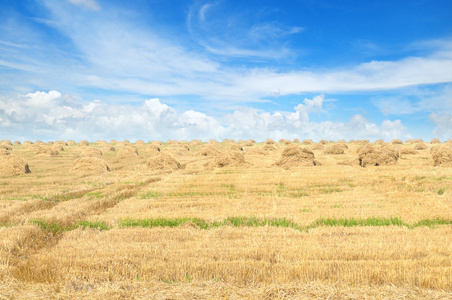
[(224, 220)]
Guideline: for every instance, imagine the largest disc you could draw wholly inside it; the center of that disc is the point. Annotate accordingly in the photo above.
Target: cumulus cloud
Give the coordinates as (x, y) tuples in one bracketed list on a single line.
[(443, 122), (52, 116)]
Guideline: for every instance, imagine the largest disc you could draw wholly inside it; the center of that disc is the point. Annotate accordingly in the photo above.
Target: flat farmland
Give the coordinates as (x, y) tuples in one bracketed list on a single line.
[(181, 220)]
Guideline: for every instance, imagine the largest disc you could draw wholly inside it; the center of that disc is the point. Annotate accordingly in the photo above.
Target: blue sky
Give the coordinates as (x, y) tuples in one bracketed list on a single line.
[(155, 69)]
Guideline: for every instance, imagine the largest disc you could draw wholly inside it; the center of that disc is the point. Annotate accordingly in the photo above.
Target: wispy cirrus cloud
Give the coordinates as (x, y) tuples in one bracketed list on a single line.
[(238, 34), (90, 4), (106, 50)]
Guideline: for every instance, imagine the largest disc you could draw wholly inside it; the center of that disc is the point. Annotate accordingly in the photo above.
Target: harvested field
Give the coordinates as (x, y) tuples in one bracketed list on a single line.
[(289, 223)]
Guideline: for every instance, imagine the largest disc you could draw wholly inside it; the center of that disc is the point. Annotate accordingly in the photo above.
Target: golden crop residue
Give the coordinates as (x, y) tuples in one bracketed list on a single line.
[(182, 225)]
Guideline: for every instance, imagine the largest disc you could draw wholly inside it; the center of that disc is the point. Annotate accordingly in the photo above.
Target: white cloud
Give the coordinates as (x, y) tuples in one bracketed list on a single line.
[(443, 122), (90, 4), (417, 99), (61, 117)]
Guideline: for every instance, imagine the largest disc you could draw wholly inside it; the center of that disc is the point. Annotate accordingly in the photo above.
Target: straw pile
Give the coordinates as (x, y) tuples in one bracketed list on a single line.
[(6, 147), (153, 148), (12, 165), (324, 142), (90, 165), (45, 150), (335, 149), (379, 142), (397, 142), (317, 146), (236, 147), (6, 142), (435, 141), (269, 142), (208, 150), (232, 158), (307, 142), (91, 152), (295, 156), (162, 161), (84, 143), (127, 152), (407, 151), (269, 147), (420, 146), (139, 143), (377, 155), (3, 152), (71, 143), (442, 156), (16, 143)]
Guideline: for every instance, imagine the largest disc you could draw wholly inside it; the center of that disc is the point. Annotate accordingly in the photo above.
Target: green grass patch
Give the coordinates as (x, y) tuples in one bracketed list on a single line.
[(151, 195), (93, 225), (244, 222), (52, 227), (96, 194), (441, 191)]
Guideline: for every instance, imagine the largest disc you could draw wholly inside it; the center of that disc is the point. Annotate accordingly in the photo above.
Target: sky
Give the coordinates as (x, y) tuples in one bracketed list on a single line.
[(173, 69)]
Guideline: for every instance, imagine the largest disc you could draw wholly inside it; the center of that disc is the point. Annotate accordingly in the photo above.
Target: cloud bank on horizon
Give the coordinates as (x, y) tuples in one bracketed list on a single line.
[(98, 69)]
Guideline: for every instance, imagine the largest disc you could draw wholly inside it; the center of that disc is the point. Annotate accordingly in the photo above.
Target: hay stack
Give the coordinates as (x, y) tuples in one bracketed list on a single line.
[(5, 147), (113, 141), (16, 143), (352, 141), (91, 152), (269, 147), (162, 161), (84, 143), (127, 152), (247, 144), (236, 147), (212, 141), (173, 151), (308, 142), (139, 143), (71, 143), (46, 150), (435, 141), (287, 142), (323, 142), (334, 149), (317, 147), (296, 141), (208, 150), (270, 142), (153, 148), (407, 151), (442, 156), (28, 143), (377, 155), (397, 142), (420, 146), (231, 158), (109, 148), (295, 156), (379, 142), (90, 165), (195, 142), (12, 165), (6, 142), (251, 141), (58, 147), (3, 152)]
